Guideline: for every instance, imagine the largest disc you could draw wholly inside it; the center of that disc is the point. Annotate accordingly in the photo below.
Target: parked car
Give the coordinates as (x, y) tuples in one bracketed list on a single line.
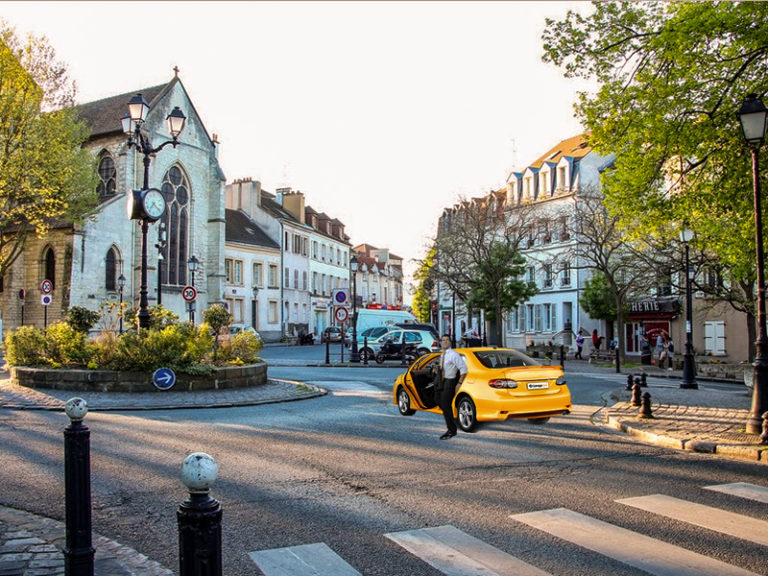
[(331, 334), (414, 326), (235, 328), (501, 383), (424, 342)]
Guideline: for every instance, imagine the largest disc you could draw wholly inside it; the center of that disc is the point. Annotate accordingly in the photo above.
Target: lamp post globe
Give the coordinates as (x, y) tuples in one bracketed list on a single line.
[(752, 116), (354, 355)]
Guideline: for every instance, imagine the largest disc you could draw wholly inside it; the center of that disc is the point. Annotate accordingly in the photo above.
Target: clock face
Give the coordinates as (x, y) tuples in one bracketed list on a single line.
[(153, 204)]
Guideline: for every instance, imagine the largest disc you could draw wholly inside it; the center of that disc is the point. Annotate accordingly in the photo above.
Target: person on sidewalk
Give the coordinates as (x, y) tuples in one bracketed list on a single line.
[(670, 352), (453, 371), (660, 348), (579, 346)]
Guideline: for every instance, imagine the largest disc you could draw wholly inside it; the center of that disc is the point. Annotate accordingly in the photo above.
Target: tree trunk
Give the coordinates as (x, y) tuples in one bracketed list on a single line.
[(620, 327)]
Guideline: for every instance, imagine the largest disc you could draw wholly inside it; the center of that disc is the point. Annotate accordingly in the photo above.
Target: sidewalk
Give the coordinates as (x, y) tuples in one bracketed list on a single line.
[(707, 420)]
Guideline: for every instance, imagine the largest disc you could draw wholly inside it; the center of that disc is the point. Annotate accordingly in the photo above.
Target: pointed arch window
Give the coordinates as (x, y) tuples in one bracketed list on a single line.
[(107, 185), (112, 268), (176, 219), (49, 265)]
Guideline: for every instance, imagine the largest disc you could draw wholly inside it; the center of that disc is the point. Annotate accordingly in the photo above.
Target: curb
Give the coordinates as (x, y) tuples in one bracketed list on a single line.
[(757, 454)]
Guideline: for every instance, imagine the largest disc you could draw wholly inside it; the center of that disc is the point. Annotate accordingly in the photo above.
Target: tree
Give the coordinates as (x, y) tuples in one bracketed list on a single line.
[(422, 306), (477, 243), (671, 78), (598, 299), (45, 173), (217, 317)]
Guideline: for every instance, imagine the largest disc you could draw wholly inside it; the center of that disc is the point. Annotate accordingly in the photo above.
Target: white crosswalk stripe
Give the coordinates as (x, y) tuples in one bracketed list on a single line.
[(707, 517), (631, 548), (742, 490), (455, 553), (306, 560)]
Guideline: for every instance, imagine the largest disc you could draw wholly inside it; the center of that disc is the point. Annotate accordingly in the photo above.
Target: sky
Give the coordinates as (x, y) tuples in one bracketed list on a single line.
[(381, 113)]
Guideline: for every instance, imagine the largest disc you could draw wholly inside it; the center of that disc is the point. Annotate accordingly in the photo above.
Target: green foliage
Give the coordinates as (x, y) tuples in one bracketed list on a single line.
[(159, 317), (598, 299), (424, 286), (176, 346), (45, 173), (25, 347), (496, 285), (242, 348), (82, 319), (217, 317), (59, 345), (671, 78)]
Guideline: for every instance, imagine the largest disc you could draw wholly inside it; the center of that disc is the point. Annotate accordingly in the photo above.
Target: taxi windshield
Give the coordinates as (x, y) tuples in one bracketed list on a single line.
[(504, 359)]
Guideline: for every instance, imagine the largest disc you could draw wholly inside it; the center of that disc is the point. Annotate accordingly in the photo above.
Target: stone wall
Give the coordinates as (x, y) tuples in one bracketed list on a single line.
[(113, 381)]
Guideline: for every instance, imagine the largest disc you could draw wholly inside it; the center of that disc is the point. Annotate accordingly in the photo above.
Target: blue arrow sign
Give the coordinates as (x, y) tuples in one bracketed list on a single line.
[(164, 378)]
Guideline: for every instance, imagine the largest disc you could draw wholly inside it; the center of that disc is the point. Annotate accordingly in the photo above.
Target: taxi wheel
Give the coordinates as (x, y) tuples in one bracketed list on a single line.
[(404, 403), (538, 421), (467, 414)]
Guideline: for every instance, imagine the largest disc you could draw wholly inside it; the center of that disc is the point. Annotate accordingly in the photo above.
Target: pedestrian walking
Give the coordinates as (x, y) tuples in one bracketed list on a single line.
[(660, 348), (453, 370), (670, 352), (579, 345), (595, 340)]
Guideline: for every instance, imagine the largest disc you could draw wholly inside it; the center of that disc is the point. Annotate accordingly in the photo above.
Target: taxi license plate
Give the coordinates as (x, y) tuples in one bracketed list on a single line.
[(538, 385)]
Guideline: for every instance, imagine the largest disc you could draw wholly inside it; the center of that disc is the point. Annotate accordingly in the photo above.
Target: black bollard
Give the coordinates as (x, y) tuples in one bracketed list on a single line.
[(327, 352), (618, 361), (636, 391), (365, 347), (644, 380), (629, 381), (78, 551), (342, 349), (764, 435), (645, 410), (199, 519)]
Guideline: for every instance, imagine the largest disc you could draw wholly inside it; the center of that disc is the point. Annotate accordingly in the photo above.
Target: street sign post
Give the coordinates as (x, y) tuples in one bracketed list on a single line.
[(189, 293), (340, 296), (341, 314), (46, 286)]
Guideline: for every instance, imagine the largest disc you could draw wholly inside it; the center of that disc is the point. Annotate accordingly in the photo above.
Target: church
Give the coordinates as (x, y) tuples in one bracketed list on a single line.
[(99, 262)]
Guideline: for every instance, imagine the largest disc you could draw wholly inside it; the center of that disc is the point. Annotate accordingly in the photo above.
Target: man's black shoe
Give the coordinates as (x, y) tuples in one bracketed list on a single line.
[(447, 435)]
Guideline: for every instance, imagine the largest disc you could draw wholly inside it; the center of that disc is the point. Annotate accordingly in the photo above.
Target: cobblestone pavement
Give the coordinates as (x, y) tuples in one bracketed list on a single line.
[(704, 420)]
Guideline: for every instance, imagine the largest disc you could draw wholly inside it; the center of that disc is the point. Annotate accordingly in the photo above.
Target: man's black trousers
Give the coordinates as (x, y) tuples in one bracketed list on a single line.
[(447, 393)]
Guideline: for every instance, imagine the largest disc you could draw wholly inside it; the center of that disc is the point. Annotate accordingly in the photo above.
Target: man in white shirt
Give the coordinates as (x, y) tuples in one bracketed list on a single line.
[(453, 371)]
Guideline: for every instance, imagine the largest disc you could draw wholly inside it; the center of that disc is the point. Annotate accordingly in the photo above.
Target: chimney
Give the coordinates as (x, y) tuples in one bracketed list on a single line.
[(293, 203), (280, 192)]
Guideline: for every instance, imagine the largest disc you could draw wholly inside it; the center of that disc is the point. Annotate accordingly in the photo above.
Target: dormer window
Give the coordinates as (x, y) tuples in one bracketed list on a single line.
[(561, 178)]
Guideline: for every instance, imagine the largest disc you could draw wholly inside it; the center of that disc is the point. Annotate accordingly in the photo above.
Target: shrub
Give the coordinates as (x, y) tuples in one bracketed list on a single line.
[(25, 347), (159, 317), (66, 346), (178, 347), (243, 346), (82, 319)]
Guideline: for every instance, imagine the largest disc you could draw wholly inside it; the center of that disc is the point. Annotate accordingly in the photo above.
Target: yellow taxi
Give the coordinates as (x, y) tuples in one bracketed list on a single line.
[(501, 383)]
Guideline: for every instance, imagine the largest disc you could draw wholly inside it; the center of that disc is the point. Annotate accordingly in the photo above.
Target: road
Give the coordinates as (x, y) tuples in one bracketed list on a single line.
[(347, 473)]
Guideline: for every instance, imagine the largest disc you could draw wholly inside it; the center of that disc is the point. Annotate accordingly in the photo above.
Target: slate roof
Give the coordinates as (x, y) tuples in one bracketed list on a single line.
[(103, 116), (241, 229), (575, 147)]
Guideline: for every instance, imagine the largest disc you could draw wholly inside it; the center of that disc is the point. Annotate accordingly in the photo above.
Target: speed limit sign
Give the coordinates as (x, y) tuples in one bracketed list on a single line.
[(341, 314), (189, 293)]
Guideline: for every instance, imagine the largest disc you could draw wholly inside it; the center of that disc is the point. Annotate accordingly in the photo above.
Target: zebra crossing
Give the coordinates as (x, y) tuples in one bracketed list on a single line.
[(455, 553)]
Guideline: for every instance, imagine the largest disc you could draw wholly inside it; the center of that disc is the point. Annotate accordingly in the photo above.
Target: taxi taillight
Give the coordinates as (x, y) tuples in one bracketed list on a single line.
[(501, 383)]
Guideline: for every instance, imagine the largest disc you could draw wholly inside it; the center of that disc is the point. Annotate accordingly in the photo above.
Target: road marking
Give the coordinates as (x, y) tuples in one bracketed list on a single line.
[(742, 490), (722, 521), (350, 388), (637, 550), (455, 553), (305, 560)]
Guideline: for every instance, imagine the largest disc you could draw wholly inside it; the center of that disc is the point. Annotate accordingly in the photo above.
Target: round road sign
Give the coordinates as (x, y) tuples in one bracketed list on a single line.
[(46, 286), (189, 293), (164, 378), (46, 299), (341, 314)]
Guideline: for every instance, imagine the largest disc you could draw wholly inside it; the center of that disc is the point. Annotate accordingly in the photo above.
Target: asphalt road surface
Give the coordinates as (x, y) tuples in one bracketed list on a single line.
[(345, 480)]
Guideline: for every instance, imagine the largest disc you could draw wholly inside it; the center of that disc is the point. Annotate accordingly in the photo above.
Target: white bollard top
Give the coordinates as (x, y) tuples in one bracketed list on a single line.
[(199, 472), (76, 409)]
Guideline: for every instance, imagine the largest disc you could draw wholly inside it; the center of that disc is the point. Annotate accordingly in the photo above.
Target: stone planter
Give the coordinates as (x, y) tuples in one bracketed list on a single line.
[(113, 381)]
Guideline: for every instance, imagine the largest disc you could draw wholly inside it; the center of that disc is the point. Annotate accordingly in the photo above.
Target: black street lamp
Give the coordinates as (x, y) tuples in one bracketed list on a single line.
[(689, 369), (147, 205), (192, 264), (355, 353), (121, 284), (752, 116), (254, 315)]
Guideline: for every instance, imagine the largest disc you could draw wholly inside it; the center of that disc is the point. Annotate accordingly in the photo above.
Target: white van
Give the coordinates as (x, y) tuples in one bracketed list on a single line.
[(369, 318)]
